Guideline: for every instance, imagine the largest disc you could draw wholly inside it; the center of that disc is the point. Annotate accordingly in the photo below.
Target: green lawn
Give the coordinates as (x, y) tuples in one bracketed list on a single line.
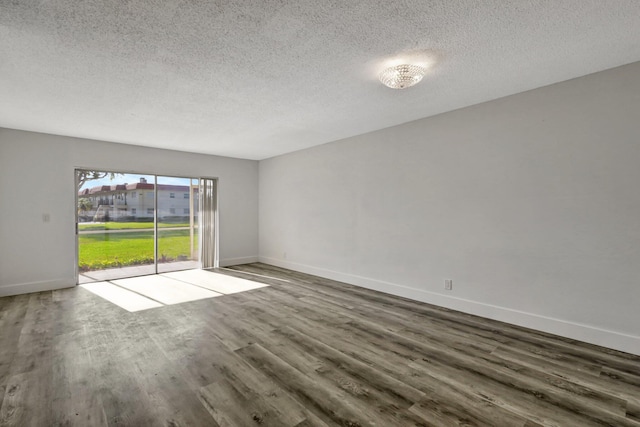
[(100, 251), (128, 225)]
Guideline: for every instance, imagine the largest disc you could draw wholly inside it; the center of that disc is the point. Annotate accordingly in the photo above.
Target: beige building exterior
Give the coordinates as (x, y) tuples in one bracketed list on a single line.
[(136, 202)]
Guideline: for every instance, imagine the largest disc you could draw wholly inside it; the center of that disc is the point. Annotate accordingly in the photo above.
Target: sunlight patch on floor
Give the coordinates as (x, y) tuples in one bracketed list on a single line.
[(124, 298), (215, 281), (145, 292), (164, 289)]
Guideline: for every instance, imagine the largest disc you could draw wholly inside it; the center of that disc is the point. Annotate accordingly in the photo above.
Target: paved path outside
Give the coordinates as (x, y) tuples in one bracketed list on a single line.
[(133, 271)]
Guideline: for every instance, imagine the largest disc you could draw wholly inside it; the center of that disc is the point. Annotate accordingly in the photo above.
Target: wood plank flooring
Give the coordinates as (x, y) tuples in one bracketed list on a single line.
[(304, 351)]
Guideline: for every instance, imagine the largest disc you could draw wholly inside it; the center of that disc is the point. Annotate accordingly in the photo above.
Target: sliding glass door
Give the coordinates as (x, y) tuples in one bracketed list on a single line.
[(137, 224)]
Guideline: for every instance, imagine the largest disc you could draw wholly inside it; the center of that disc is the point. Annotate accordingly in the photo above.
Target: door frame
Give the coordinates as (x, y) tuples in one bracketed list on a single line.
[(155, 212)]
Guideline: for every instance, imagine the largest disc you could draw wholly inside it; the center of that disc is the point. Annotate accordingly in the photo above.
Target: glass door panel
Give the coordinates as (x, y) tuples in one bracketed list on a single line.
[(177, 223), (116, 234)]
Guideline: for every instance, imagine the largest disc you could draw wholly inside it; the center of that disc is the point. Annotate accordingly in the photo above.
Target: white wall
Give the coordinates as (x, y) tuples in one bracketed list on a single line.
[(530, 203), (37, 177)]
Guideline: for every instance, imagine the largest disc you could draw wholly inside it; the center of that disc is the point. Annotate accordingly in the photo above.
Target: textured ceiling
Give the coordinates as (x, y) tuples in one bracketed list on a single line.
[(258, 78)]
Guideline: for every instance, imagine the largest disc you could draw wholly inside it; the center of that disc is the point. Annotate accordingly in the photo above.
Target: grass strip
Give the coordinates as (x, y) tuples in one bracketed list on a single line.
[(128, 225)]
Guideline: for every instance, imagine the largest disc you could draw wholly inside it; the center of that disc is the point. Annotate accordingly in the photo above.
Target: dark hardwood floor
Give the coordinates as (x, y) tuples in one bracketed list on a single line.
[(305, 351)]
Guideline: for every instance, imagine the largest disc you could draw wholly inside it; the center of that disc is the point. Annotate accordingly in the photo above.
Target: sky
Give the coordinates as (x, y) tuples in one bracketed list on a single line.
[(131, 178)]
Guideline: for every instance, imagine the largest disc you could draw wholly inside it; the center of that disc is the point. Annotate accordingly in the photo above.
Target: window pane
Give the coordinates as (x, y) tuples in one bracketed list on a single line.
[(115, 230), (177, 227)]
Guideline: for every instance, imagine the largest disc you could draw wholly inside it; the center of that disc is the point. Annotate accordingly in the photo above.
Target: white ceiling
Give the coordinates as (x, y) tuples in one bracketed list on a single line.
[(258, 78)]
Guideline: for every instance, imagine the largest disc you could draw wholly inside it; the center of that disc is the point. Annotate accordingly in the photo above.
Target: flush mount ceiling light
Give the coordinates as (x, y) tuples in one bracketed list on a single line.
[(402, 76)]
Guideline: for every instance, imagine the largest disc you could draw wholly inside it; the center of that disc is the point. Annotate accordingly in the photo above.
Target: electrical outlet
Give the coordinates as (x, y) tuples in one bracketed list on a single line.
[(46, 217), (448, 284)]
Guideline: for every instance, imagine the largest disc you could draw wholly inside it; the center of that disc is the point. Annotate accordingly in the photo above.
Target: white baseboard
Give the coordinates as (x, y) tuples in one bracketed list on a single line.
[(27, 288), (236, 261), (577, 331)]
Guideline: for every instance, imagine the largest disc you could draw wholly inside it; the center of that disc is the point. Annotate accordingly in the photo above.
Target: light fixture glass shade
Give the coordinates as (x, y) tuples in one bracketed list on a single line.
[(402, 76)]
